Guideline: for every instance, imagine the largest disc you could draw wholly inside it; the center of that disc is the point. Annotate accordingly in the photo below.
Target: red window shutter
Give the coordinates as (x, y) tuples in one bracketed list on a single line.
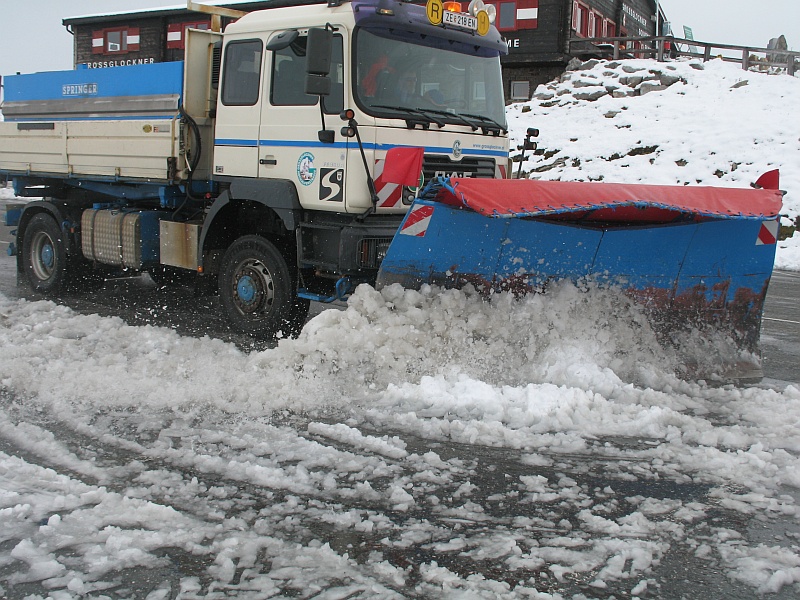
[(575, 15), (527, 14), (584, 21), (133, 39), (98, 42), (175, 35)]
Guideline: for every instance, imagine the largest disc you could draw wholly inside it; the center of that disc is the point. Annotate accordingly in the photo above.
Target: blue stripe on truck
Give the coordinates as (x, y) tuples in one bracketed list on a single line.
[(248, 143)]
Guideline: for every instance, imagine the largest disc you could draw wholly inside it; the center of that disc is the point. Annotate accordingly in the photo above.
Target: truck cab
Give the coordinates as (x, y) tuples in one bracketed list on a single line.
[(282, 150)]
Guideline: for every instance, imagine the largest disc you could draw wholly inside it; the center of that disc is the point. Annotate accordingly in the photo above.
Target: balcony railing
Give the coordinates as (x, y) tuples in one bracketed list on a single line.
[(663, 47)]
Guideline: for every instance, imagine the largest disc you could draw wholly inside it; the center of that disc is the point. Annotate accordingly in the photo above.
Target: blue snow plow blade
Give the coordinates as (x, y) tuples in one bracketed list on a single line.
[(692, 258)]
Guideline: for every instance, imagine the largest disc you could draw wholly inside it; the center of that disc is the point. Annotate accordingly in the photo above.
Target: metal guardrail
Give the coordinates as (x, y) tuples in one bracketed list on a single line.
[(662, 47)]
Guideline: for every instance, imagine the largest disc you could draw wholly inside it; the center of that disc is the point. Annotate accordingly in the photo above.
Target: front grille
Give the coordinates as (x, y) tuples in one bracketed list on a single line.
[(434, 165)]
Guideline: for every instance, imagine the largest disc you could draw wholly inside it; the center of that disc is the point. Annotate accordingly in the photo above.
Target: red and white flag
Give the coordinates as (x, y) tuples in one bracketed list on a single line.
[(403, 166)]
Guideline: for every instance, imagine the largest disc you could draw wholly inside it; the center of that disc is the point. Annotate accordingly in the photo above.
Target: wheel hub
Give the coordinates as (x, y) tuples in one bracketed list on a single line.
[(47, 256), (246, 289), (43, 256), (254, 288)]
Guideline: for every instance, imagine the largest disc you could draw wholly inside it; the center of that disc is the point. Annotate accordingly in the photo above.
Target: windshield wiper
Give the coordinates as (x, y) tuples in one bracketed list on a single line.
[(414, 111), (494, 124), (454, 115)]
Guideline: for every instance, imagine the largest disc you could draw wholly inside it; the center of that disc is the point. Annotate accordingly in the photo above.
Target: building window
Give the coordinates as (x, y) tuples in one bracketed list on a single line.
[(507, 16), (241, 73), (521, 90), (176, 32), (609, 28), (520, 14), (118, 40)]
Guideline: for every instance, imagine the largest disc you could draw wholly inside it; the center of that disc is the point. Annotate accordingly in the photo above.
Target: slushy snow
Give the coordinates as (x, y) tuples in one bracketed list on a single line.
[(333, 462)]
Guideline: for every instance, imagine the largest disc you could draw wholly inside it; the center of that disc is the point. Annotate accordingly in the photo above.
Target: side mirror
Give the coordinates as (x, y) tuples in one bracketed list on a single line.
[(317, 85), (319, 48), (282, 40)]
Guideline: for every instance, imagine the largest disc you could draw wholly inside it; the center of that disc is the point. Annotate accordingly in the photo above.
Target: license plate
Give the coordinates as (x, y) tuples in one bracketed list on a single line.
[(460, 20)]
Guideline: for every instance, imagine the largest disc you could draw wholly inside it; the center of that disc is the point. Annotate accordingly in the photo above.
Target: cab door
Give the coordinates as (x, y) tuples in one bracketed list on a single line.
[(289, 145), (239, 108)]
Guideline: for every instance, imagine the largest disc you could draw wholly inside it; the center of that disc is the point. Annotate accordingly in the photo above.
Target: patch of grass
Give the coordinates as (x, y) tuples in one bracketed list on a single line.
[(786, 232)]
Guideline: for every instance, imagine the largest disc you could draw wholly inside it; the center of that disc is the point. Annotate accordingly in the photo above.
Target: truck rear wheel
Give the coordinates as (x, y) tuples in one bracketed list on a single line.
[(44, 255), (46, 264), (257, 290)]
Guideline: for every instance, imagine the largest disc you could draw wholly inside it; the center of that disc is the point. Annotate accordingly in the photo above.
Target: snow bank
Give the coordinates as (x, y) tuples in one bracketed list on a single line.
[(684, 122), (397, 335)]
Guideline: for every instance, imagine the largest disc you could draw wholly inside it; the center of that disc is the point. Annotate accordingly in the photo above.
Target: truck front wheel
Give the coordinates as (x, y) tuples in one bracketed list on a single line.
[(257, 290), (44, 255)]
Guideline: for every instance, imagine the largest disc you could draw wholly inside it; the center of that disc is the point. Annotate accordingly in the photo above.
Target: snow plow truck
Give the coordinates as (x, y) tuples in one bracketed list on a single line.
[(313, 146)]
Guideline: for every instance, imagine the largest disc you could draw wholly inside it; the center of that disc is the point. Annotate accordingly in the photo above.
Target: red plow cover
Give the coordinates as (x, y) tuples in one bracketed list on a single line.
[(609, 202)]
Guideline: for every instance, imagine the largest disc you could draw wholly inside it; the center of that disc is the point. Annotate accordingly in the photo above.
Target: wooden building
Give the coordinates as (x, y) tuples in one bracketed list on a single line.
[(537, 33), (140, 37)]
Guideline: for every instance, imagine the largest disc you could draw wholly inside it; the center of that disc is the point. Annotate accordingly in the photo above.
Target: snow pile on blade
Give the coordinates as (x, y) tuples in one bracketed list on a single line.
[(608, 202)]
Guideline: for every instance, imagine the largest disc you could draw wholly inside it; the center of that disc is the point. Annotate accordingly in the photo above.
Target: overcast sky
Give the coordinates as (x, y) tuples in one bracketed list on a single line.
[(33, 39)]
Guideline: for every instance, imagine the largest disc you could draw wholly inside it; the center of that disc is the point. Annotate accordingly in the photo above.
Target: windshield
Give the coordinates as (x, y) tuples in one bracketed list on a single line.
[(434, 84)]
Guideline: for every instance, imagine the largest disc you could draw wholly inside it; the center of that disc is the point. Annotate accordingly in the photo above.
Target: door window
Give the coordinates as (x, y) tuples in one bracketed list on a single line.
[(241, 73)]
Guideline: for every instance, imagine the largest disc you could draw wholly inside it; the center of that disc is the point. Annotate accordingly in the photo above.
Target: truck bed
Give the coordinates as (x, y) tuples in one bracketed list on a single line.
[(118, 123), (116, 150)]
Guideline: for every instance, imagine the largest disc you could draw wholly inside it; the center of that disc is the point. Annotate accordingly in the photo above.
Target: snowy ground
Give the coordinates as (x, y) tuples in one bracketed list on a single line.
[(423, 445), (411, 445)]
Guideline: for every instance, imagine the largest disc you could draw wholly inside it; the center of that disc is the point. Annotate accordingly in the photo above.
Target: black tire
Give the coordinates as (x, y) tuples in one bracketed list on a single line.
[(257, 290), (44, 255)]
